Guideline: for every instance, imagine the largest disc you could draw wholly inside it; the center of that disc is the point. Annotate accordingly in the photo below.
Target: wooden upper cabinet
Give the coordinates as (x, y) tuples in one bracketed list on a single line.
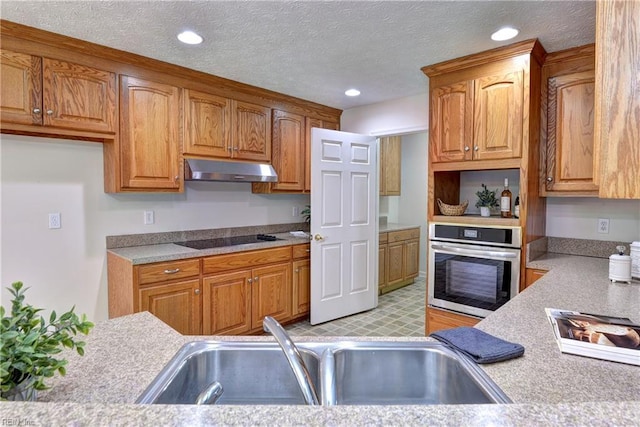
[(617, 99), (390, 166), (288, 147), (568, 88), (20, 88), (310, 123), (498, 116), (207, 121), (451, 122), (78, 97), (252, 136), (47, 92), (481, 106), (150, 137)]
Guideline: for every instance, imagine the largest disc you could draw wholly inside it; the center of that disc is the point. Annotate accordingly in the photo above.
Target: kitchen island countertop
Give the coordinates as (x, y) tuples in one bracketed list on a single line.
[(547, 387)]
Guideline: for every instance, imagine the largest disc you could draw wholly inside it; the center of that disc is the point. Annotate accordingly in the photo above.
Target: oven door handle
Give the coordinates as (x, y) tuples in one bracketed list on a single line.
[(493, 254)]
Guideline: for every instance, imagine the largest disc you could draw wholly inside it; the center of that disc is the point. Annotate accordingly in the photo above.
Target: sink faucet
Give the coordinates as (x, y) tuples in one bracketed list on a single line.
[(271, 325)]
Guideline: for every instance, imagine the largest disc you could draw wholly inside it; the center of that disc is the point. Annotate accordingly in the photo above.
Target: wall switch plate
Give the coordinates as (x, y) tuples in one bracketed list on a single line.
[(295, 212), (149, 217), (54, 220), (603, 225)]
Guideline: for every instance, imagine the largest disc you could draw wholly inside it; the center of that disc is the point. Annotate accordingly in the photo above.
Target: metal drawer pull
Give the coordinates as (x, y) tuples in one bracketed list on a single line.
[(174, 271)]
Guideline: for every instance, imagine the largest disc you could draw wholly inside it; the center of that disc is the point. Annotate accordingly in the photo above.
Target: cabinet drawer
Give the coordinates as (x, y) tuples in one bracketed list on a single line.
[(383, 238), (396, 236), (234, 261), (301, 251), (161, 272)]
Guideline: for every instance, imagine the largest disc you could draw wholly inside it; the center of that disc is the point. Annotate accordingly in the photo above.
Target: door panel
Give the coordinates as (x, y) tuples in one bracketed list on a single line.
[(178, 305), (207, 123), (344, 223), (226, 303), (451, 122), (20, 88), (271, 293)]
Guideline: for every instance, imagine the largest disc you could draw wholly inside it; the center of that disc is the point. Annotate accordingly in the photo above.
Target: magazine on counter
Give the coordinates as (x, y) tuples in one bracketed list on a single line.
[(594, 335)]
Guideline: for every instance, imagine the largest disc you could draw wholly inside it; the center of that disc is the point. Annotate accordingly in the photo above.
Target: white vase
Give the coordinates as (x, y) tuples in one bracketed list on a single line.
[(485, 211), (23, 392)]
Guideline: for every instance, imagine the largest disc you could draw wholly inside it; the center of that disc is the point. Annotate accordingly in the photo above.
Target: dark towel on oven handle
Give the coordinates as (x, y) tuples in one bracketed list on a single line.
[(480, 346)]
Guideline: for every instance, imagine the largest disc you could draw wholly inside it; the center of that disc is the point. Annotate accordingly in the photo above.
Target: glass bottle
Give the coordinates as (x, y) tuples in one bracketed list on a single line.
[(505, 200), (516, 208)]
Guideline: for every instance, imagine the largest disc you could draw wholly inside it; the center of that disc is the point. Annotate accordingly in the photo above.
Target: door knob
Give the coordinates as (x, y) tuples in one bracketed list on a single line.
[(318, 237)]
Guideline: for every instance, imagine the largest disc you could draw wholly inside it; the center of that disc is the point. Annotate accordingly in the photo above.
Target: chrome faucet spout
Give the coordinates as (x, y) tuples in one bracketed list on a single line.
[(271, 325)]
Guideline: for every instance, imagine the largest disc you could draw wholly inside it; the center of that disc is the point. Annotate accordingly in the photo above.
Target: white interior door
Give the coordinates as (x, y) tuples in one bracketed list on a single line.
[(344, 224)]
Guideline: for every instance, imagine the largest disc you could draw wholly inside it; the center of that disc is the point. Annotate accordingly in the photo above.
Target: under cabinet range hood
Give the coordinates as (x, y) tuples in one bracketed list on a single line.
[(217, 170)]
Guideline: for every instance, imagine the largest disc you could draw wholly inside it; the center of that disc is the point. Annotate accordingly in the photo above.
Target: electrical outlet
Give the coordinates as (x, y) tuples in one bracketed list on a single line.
[(54, 220), (603, 225), (148, 217), (295, 212)]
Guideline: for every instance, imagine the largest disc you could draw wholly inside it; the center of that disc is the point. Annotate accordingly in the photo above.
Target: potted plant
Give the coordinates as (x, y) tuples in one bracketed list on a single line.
[(306, 213), (28, 344), (486, 200)]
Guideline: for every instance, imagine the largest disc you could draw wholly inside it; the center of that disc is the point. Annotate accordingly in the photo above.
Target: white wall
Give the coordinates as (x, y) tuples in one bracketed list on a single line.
[(578, 218), (395, 117), (68, 266)]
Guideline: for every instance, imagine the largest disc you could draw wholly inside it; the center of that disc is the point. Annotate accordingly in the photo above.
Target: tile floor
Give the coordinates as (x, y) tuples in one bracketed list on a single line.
[(400, 313)]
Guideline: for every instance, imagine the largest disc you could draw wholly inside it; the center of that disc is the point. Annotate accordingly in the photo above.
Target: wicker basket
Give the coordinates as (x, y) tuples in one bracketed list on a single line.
[(453, 210)]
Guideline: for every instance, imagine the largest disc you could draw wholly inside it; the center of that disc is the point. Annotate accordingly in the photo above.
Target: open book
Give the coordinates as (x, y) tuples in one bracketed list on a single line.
[(593, 335)]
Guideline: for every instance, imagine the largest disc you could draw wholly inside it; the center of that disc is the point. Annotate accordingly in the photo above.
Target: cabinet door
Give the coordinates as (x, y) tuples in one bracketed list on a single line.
[(301, 287), (451, 122), (271, 293), (78, 97), (390, 166), (226, 303), (252, 133), (150, 136), (20, 88), (288, 153), (207, 123), (570, 114), (532, 275), (617, 160), (498, 116), (441, 319), (176, 304), (411, 259), (395, 270)]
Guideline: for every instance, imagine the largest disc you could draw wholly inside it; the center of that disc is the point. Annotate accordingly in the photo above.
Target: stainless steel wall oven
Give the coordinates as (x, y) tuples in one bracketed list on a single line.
[(473, 270)]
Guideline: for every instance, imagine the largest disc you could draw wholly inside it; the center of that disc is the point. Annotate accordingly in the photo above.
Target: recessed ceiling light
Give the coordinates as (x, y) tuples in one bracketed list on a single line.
[(505, 33), (352, 92), (189, 37)]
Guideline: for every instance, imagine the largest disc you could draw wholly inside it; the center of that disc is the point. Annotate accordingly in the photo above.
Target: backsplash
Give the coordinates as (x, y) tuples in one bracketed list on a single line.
[(129, 240), (581, 247)]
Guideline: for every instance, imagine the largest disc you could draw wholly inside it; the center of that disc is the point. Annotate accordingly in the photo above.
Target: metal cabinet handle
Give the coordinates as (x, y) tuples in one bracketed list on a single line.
[(466, 148), (549, 178), (50, 112), (475, 148), (235, 148), (197, 292), (297, 270), (177, 178), (249, 280), (255, 279), (36, 111), (230, 149), (174, 271), (474, 252)]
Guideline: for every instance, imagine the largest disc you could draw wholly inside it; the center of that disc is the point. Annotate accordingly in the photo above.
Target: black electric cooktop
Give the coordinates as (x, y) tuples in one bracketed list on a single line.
[(227, 241)]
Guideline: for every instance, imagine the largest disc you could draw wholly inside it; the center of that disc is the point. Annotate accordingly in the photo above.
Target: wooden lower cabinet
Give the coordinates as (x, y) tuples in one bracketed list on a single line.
[(437, 320), (531, 275), (176, 304), (226, 294), (227, 303), (398, 259)]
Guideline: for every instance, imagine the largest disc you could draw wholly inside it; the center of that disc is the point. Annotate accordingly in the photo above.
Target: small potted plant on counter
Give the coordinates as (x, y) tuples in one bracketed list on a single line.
[(306, 213), (28, 344), (486, 200)]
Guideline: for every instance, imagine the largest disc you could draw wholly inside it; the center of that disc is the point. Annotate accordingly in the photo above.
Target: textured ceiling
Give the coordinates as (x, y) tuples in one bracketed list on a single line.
[(312, 50)]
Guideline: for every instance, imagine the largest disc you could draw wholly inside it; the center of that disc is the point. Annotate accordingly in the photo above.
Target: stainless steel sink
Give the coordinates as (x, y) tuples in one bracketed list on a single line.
[(408, 374), (344, 373), (249, 372)]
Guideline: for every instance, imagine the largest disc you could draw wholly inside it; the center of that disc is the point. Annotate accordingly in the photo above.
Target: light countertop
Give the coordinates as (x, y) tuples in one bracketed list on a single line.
[(548, 388)]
